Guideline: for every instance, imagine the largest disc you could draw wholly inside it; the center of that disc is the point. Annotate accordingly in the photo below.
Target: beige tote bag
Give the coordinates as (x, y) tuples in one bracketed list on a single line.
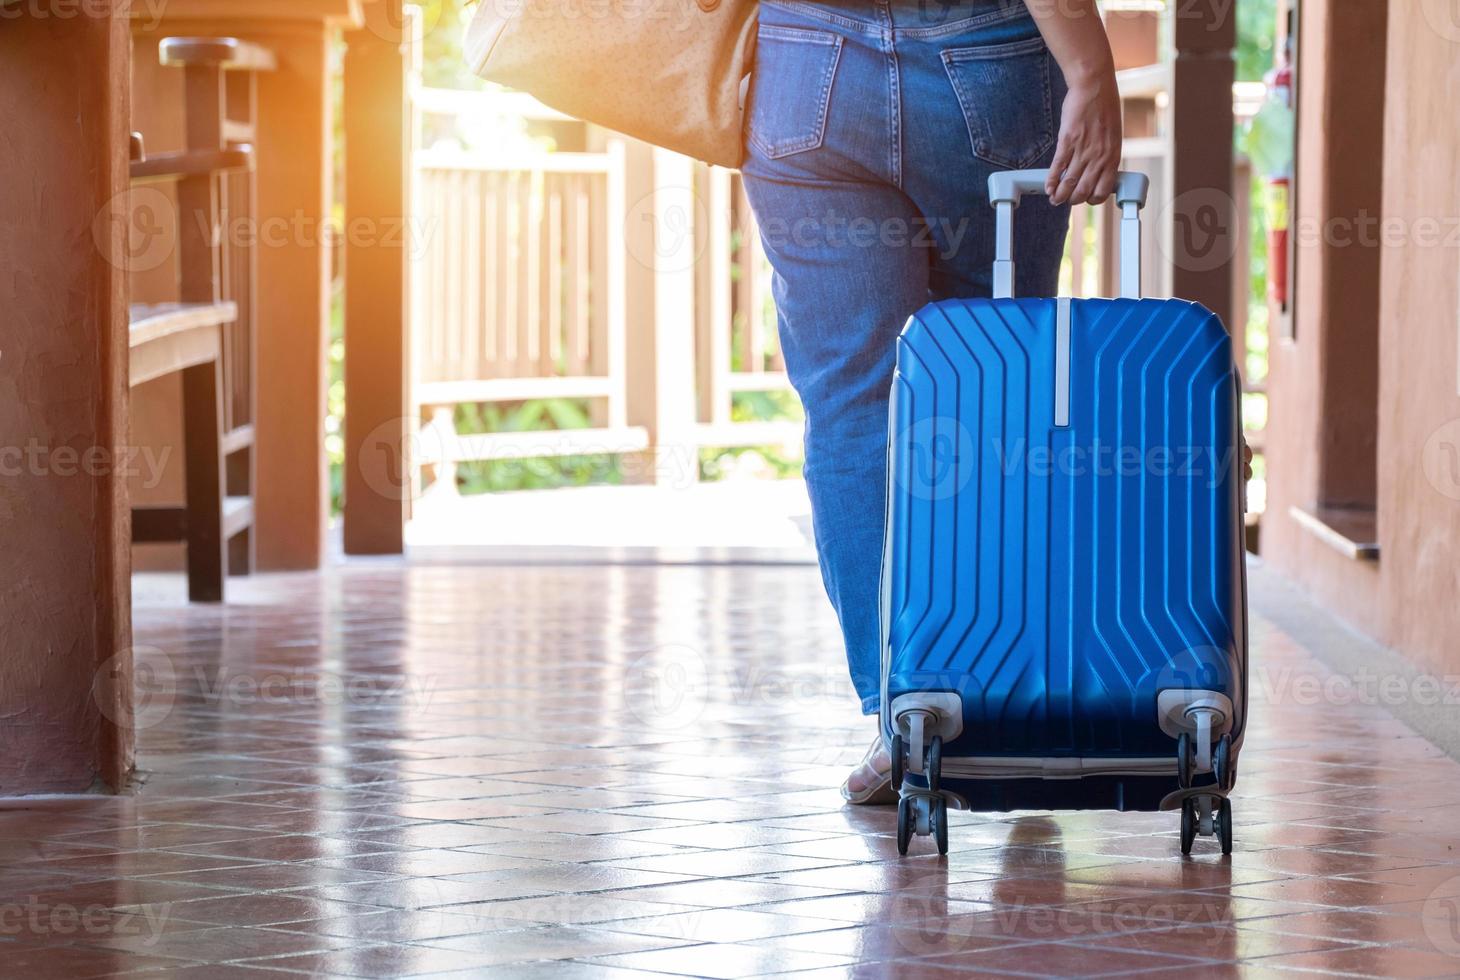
[(671, 72)]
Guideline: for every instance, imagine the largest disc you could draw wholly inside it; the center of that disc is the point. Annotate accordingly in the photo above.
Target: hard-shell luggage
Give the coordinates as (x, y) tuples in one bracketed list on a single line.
[(1064, 589)]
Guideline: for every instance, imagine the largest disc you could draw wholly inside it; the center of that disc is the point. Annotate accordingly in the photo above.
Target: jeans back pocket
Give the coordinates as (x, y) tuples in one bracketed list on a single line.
[(1007, 98), (794, 71)]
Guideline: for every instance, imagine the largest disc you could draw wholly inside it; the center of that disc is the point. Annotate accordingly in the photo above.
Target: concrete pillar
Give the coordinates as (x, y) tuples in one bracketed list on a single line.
[(377, 157), (1204, 224), (65, 625)]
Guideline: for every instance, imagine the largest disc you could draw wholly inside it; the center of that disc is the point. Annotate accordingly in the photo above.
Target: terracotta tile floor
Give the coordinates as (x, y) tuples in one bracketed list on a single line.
[(614, 771)]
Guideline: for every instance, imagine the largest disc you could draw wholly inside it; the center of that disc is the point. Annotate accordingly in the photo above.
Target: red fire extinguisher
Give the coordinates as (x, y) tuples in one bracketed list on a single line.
[(1278, 199)]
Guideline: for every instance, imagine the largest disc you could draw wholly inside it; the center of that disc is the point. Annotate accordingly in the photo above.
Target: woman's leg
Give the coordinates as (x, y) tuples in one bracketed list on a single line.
[(841, 237), (841, 304)]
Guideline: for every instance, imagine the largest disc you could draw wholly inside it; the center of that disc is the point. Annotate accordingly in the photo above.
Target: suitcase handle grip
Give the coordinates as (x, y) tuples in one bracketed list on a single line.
[(1007, 187)]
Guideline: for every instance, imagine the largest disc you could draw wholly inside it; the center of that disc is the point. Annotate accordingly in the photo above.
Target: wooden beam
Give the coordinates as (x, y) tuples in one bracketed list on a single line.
[(65, 598), (1204, 227), (660, 330), (377, 473)]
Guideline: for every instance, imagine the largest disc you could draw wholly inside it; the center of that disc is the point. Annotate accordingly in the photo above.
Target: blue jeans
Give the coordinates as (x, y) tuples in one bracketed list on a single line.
[(872, 129)]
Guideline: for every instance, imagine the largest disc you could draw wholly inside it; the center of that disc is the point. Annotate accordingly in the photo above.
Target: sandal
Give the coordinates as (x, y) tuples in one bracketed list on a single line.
[(877, 782)]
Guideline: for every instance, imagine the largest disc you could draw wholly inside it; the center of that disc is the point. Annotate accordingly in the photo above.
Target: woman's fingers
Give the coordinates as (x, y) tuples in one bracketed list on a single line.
[(1062, 155), (1106, 184), (1066, 177), (1070, 186)]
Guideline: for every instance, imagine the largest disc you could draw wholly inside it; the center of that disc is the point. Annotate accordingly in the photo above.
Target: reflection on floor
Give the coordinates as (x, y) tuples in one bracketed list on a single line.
[(615, 771)]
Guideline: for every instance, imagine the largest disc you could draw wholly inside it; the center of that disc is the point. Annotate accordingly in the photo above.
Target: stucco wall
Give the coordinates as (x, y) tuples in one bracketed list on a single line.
[(1419, 400), (65, 679), (1410, 599)]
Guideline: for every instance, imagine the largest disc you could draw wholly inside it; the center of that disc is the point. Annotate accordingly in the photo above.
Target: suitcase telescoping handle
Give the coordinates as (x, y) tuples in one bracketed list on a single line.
[(1007, 187)]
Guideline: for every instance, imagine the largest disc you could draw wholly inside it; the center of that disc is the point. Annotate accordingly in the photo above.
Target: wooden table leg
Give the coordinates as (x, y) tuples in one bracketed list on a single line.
[(202, 435)]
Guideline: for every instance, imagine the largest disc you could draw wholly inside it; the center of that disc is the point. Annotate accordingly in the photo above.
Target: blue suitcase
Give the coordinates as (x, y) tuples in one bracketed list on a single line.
[(1064, 587)]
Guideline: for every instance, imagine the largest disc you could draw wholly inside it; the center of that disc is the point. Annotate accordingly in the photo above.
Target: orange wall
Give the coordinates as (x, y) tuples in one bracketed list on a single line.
[(1409, 598), (65, 634), (1419, 401)]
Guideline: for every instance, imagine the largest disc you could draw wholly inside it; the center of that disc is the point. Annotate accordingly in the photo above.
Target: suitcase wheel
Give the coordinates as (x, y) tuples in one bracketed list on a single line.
[(897, 750), (1188, 824), (939, 820), (1222, 764), (922, 813), (1224, 825), (933, 764), (1183, 760), (1216, 821)]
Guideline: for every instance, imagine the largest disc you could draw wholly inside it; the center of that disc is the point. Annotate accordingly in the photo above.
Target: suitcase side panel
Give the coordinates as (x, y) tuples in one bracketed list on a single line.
[(1155, 591), (1056, 577)]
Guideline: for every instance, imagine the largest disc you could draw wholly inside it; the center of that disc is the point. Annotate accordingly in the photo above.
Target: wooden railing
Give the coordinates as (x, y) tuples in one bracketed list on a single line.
[(737, 349), (519, 294)]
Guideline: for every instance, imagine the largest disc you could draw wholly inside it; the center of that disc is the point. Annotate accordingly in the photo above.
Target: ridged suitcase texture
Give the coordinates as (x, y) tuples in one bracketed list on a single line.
[(1057, 577)]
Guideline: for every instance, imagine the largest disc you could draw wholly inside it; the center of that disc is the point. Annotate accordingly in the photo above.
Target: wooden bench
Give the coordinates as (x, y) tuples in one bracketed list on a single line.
[(207, 336)]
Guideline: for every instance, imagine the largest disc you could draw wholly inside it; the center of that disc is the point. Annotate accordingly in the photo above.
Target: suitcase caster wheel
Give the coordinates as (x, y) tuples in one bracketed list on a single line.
[(939, 820), (1224, 825), (934, 763), (1183, 760), (1188, 823), (904, 824), (1222, 763), (896, 751)]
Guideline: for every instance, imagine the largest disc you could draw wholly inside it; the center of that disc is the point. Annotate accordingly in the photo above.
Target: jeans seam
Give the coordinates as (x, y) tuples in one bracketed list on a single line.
[(1012, 12), (968, 23), (807, 10)]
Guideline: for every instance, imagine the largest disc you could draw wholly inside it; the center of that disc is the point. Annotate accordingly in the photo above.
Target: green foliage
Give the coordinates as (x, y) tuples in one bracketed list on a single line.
[(1256, 31), (443, 25), (763, 462), (334, 439), (495, 476)]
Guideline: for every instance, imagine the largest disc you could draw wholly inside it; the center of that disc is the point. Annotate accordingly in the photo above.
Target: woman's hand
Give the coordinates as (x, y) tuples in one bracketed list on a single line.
[(1087, 157)]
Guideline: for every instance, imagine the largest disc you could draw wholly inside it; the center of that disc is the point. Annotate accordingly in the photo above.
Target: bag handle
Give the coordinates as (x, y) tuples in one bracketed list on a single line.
[(1008, 186)]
